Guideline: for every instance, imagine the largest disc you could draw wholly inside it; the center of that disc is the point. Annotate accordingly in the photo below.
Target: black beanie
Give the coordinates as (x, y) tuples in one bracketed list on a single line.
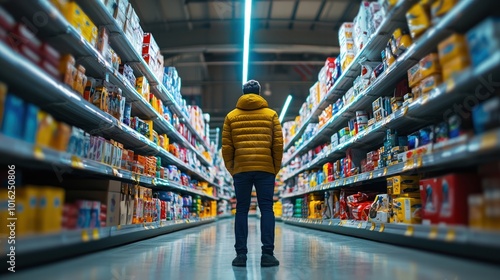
[(251, 86)]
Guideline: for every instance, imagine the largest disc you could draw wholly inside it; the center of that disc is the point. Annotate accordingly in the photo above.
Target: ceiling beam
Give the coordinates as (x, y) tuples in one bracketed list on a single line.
[(226, 63), (240, 21), (258, 48), (346, 14), (294, 14), (318, 14), (187, 15), (269, 13), (230, 82)]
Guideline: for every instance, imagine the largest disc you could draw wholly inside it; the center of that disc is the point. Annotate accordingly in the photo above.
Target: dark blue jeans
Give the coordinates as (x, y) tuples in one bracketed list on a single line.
[(264, 185)]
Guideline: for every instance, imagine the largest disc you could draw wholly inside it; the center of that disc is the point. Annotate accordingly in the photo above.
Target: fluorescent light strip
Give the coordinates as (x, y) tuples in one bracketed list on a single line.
[(246, 38), (285, 107)]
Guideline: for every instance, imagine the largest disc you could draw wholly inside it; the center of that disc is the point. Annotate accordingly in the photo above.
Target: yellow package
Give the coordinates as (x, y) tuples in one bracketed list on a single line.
[(476, 211), (74, 15), (455, 66), (60, 4), (453, 47), (441, 7), (346, 61), (150, 124), (407, 210), (429, 65), (430, 83), (398, 185), (419, 20), (27, 208), (50, 208), (416, 91), (47, 127), (61, 137), (414, 75)]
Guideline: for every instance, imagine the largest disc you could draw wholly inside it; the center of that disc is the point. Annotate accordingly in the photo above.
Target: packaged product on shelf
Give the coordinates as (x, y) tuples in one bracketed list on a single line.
[(419, 19), (414, 75), (100, 99), (407, 210), (430, 194), (12, 117), (120, 13), (47, 127), (379, 209), (50, 202), (430, 83), (103, 41), (400, 42), (455, 189), (67, 69), (362, 25), (359, 206), (454, 67), (477, 215), (429, 65), (485, 116), (80, 81), (127, 111), (61, 137), (440, 7), (484, 40), (451, 48), (346, 60), (128, 73), (403, 185)]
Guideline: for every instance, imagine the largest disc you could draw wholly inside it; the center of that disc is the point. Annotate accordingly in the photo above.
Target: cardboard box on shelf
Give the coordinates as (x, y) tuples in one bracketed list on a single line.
[(455, 189)]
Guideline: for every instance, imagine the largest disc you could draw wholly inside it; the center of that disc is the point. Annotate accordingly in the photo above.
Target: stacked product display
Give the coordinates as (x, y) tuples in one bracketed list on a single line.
[(73, 103), (408, 102)]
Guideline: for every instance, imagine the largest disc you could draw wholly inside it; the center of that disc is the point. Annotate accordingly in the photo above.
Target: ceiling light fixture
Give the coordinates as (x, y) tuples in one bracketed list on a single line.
[(285, 107), (246, 38)]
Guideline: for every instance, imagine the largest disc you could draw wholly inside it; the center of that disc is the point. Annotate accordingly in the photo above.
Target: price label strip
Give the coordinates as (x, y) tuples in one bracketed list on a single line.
[(38, 153)]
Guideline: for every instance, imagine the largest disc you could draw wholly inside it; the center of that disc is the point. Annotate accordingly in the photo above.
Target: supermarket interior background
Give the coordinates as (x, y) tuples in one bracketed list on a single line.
[(111, 114)]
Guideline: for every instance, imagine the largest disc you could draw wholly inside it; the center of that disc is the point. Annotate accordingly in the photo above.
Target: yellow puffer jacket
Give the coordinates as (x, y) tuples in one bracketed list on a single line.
[(252, 139)]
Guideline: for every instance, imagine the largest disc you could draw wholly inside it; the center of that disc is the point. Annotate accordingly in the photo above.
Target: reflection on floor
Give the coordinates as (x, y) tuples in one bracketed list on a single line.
[(206, 252)]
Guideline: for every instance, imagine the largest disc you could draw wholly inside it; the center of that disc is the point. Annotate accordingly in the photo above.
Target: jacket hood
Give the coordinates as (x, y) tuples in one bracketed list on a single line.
[(251, 101)]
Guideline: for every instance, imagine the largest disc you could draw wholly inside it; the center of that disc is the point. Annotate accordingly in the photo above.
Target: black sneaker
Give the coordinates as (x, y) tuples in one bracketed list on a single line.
[(240, 260), (268, 260)]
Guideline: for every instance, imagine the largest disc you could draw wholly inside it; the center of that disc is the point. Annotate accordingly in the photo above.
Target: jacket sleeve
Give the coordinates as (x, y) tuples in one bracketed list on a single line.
[(227, 146), (277, 144)]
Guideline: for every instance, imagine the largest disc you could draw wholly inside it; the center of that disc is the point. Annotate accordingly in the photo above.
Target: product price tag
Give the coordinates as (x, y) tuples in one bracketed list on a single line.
[(372, 228), (450, 85), (385, 171), (360, 225), (116, 173), (153, 181), (419, 161), (405, 110), (371, 175), (330, 223), (450, 235), (188, 221), (433, 233), (38, 153), (488, 141), (409, 231), (382, 228), (76, 162), (409, 163), (85, 236), (95, 234), (355, 178), (336, 183), (425, 98), (342, 223)]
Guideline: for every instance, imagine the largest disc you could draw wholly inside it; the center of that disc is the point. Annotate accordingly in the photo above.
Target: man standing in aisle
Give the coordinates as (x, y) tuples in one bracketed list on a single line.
[(252, 147)]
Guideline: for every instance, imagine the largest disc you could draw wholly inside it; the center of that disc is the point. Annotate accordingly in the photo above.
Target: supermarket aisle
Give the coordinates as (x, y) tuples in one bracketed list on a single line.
[(206, 253)]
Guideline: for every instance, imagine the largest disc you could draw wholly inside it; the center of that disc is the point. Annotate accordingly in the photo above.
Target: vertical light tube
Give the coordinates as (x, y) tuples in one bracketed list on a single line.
[(285, 107), (246, 38)]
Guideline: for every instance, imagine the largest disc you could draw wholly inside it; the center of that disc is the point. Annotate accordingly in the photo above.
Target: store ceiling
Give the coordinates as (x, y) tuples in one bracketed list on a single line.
[(203, 40)]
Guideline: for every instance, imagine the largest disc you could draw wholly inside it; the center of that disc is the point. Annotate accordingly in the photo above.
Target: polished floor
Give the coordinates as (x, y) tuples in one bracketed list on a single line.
[(206, 252)]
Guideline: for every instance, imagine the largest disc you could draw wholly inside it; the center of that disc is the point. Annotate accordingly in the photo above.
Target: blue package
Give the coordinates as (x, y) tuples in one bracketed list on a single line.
[(13, 119), (486, 115), (426, 135), (83, 145), (484, 40), (163, 196), (127, 113), (30, 123), (413, 141), (454, 126)]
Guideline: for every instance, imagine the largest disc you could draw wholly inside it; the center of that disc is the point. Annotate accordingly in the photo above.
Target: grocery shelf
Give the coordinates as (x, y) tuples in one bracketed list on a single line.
[(417, 113), (371, 52), (456, 20), (467, 152), (46, 248), (120, 43), (23, 153), (455, 240)]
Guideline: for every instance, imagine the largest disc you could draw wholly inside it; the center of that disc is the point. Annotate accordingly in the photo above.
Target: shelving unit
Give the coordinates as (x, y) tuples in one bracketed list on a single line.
[(51, 247), (453, 240), (457, 20), (97, 11), (34, 85), (463, 152)]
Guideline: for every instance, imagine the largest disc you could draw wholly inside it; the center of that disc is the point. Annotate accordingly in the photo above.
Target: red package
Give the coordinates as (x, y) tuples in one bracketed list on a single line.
[(50, 54), (21, 35), (430, 194), (455, 189)]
